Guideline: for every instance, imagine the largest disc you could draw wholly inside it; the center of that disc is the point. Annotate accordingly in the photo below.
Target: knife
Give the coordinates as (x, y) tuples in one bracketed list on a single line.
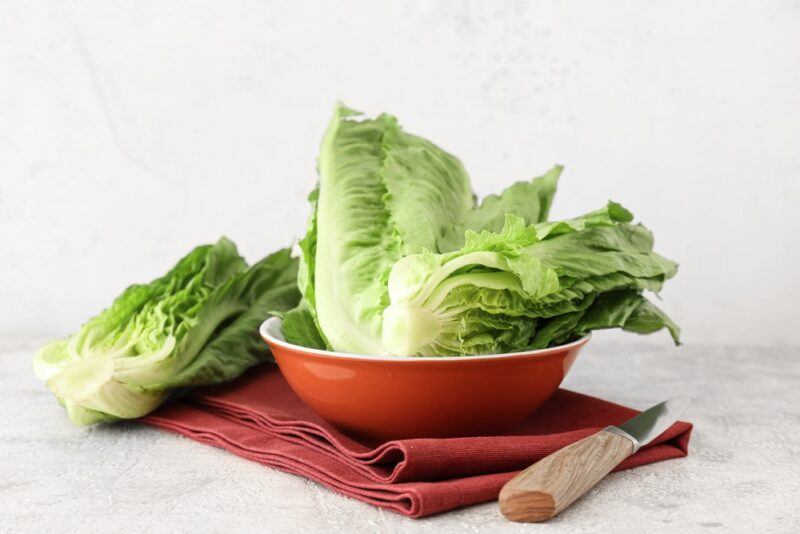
[(556, 481)]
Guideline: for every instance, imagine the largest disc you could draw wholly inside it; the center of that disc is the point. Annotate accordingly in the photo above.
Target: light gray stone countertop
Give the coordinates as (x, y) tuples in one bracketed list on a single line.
[(742, 473)]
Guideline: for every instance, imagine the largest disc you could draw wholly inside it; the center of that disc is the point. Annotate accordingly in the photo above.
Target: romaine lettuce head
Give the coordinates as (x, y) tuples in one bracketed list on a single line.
[(383, 194), (195, 325), (527, 286)]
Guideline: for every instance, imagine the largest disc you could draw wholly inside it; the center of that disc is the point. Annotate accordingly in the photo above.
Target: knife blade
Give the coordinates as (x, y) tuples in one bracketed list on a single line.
[(651, 423), (550, 485)]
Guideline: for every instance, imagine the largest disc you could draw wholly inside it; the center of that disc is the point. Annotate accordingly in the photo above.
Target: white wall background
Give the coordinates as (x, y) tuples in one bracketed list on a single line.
[(132, 131)]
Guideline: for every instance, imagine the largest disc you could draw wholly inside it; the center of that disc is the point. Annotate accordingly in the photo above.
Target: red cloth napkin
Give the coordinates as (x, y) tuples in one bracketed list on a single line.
[(259, 418)]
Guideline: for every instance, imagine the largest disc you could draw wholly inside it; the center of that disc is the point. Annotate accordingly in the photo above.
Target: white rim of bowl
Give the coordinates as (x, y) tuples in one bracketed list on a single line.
[(270, 330)]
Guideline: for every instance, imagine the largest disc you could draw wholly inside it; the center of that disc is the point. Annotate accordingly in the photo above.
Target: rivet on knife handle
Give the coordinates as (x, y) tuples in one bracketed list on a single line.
[(555, 482)]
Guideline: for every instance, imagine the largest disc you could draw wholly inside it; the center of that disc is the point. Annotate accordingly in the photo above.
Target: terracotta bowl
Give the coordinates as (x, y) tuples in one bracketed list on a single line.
[(391, 397)]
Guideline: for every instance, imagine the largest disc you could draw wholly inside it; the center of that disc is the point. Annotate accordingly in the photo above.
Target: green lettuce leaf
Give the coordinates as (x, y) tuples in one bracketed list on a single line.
[(268, 287), (529, 200), (626, 309), (300, 328)]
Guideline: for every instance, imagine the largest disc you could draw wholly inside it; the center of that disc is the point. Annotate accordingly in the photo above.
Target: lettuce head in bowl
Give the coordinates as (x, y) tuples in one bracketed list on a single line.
[(400, 259)]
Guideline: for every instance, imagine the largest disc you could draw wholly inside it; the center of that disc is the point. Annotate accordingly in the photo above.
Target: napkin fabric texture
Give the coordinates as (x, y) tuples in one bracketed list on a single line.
[(258, 417)]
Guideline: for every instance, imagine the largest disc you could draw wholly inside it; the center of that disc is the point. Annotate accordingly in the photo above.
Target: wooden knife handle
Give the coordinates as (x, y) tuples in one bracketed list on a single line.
[(555, 482)]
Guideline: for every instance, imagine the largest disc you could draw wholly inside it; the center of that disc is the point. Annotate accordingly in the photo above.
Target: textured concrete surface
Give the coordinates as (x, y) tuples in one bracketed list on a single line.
[(742, 475)]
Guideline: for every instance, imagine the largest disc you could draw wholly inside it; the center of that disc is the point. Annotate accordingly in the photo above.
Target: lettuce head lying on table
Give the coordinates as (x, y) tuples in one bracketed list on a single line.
[(196, 325), (399, 259)]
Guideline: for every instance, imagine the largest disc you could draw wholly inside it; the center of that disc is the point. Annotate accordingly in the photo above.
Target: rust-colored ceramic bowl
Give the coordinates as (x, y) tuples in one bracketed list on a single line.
[(391, 397)]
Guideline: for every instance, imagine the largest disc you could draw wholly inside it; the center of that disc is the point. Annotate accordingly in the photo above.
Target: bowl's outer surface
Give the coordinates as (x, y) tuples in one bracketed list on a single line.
[(389, 398)]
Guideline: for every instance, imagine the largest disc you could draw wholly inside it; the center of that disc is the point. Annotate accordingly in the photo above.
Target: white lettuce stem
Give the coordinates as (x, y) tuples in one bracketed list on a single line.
[(486, 259)]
